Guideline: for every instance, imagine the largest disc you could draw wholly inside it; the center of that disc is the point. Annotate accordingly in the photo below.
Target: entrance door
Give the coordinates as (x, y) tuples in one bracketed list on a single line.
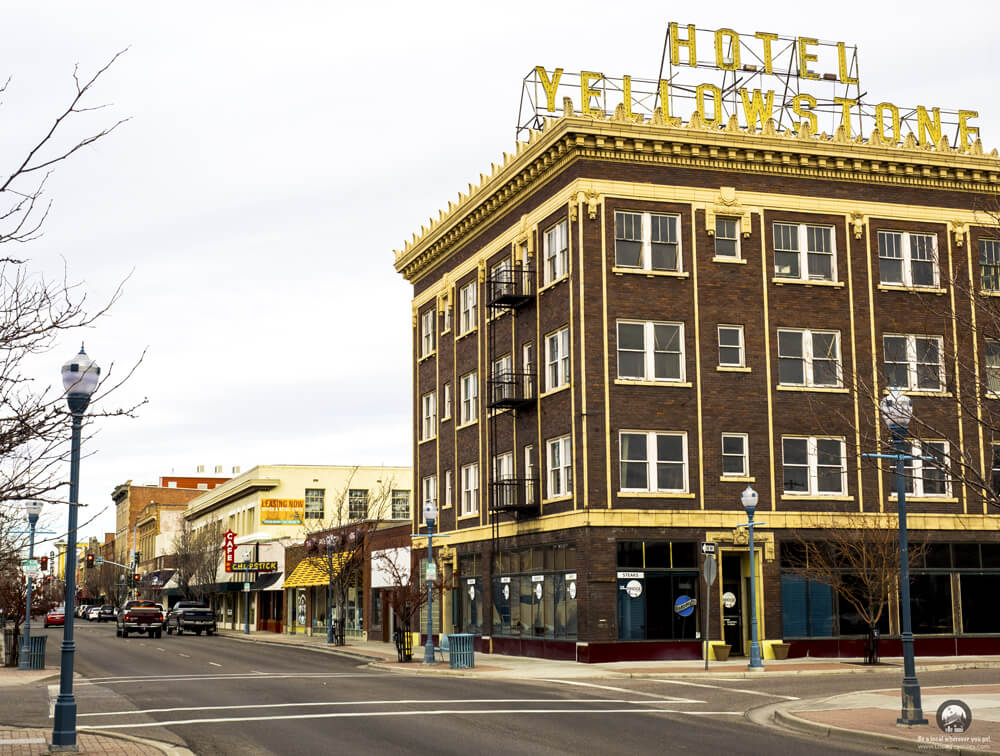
[(732, 602)]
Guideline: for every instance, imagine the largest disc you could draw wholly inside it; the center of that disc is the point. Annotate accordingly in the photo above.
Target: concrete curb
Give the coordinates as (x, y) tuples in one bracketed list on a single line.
[(335, 651), (811, 672), (169, 749)]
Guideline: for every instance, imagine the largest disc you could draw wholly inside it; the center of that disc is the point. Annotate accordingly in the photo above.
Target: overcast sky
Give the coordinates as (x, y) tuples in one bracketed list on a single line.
[(276, 155)]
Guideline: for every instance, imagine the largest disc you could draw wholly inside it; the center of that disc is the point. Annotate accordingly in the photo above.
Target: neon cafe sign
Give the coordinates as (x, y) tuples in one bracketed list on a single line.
[(798, 82)]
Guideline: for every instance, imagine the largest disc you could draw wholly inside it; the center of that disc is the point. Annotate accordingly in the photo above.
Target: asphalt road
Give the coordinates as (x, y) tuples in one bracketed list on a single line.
[(222, 695)]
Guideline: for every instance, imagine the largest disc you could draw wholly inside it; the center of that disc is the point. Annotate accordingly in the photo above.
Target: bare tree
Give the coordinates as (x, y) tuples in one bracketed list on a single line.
[(207, 551), (406, 594), (14, 592)]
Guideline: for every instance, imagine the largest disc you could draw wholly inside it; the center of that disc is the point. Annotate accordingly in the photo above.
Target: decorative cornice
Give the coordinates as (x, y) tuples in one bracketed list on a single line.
[(661, 141)]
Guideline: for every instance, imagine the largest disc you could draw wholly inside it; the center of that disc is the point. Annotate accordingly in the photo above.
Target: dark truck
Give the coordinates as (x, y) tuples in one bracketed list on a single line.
[(139, 617), (190, 615)]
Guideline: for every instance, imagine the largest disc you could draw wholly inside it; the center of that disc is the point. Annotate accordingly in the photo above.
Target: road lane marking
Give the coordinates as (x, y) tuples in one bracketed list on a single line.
[(214, 664), (361, 714), (212, 678), (669, 699), (160, 649), (53, 695), (132, 712), (186, 656), (723, 687)]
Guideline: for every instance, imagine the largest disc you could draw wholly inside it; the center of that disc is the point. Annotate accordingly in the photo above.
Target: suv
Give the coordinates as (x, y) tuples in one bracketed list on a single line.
[(190, 615), (106, 613)]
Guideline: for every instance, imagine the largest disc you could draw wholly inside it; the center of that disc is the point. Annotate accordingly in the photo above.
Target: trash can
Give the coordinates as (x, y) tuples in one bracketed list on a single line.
[(36, 651), (11, 643), (460, 651)]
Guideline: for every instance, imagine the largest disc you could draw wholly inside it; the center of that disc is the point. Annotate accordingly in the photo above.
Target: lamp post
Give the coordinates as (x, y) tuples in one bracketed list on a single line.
[(330, 541), (80, 378), (897, 411), (749, 500), (430, 517), (33, 510)]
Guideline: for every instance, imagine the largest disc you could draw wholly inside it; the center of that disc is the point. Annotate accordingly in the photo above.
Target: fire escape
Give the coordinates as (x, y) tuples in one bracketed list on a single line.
[(509, 288)]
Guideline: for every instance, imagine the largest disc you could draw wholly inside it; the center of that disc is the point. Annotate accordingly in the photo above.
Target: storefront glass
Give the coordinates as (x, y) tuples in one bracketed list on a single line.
[(534, 593)]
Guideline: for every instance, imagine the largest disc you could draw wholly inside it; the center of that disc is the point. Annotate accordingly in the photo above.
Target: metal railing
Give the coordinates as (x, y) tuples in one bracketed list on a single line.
[(512, 287), (510, 389), (515, 495)]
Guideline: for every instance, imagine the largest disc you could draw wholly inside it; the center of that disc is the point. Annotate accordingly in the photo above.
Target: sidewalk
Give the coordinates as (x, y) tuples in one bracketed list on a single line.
[(33, 741), (870, 717), (383, 656)]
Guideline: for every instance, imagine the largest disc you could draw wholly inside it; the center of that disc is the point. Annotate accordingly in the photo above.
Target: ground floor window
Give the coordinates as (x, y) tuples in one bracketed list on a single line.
[(535, 593), (980, 610), (930, 604), (657, 605)]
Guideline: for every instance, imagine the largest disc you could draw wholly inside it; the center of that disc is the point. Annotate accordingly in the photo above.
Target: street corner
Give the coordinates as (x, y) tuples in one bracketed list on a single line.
[(11, 676), (33, 741)]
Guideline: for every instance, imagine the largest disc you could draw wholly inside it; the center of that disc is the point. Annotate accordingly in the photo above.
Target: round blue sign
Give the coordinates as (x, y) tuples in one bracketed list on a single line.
[(684, 605)]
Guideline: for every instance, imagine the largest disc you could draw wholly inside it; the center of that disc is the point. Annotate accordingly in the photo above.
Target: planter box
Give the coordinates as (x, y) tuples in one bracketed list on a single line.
[(781, 650), (720, 651)]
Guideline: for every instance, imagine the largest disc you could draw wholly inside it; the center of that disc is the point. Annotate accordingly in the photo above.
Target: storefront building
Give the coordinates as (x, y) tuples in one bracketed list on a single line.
[(634, 317)]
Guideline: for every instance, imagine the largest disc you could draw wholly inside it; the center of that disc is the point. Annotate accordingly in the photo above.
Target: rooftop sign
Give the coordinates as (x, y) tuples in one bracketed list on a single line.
[(798, 82)]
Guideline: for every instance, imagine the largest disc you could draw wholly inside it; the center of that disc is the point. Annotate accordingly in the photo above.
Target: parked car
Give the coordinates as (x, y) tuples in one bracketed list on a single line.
[(92, 613), (140, 617), (55, 617), (190, 615), (106, 613)]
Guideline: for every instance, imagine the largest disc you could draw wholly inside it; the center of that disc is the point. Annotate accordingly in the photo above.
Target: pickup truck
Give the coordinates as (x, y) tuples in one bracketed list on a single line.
[(139, 617), (190, 615)]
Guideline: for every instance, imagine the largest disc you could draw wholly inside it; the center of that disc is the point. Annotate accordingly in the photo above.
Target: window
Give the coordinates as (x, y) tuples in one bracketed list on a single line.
[(315, 499), (804, 252), (357, 503), (731, 346), (995, 469), (530, 484), (446, 401), (560, 467), (927, 477), (653, 461), (446, 317), (814, 465), (502, 376), (501, 279), (556, 252), (651, 351), (989, 264), (470, 489), (557, 359), (446, 500), (467, 307), (647, 241), (808, 358), (400, 505), (906, 259), (427, 333), (503, 466), (429, 492), (428, 416), (914, 362), (727, 238), (734, 455), (470, 404)]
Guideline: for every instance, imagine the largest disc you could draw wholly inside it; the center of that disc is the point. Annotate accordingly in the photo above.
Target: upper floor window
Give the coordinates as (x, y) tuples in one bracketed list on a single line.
[(731, 352), (470, 489), (727, 238), (470, 398), (357, 503), (559, 454), (914, 362), (428, 416), (503, 466), (446, 401), (808, 358), (734, 455), (804, 252), (992, 366), (927, 477), (400, 504), (446, 318), (995, 470), (467, 307), (315, 503), (648, 241), (906, 259), (556, 252), (427, 333), (446, 500), (652, 461), (428, 493), (989, 264), (501, 279), (557, 359), (651, 351), (814, 465)]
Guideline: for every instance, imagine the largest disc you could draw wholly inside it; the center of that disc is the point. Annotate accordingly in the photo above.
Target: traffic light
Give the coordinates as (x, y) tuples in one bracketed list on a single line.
[(44, 563), (90, 561), (137, 577), (138, 557)]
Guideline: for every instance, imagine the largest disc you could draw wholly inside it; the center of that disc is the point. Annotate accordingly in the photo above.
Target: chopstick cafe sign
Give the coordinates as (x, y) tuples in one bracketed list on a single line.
[(799, 83), (282, 511), (229, 547)]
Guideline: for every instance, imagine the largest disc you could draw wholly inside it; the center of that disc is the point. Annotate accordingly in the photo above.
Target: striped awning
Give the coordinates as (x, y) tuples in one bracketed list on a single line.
[(315, 571)]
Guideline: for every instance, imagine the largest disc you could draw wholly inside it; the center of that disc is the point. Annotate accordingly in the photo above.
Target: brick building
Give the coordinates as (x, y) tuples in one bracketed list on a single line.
[(627, 323)]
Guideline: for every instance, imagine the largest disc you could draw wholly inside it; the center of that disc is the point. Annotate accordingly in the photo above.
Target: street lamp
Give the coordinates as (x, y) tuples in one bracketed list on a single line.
[(749, 501), (430, 517), (897, 411), (330, 541), (32, 510), (80, 377)]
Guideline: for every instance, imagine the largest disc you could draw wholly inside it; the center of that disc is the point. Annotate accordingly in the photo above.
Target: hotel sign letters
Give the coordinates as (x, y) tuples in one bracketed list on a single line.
[(796, 82)]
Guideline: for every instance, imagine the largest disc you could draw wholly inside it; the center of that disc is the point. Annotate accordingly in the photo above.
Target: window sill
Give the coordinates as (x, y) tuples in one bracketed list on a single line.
[(445, 331), (564, 387), (427, 356), (467, 425), (464, 335), (651, 273), (989, 293), (639, 382), (557, 499), (814, 497), (921, 392), (469, 516), (655, 495), (927, 499), (426, 440), (806, 282), (730, 260), (818, 389), (913, 289), (446, 419), (556, 282), (733, 369), (737, 479)]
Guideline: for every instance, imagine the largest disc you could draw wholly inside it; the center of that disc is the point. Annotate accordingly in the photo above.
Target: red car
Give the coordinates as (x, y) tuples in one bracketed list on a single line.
[(55, 617)]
